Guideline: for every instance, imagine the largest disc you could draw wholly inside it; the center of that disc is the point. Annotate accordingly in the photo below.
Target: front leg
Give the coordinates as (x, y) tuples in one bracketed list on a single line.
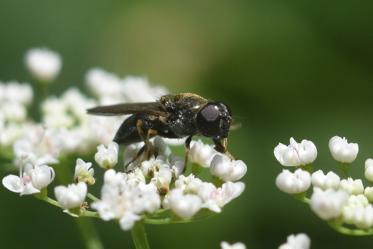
[(221, 145)]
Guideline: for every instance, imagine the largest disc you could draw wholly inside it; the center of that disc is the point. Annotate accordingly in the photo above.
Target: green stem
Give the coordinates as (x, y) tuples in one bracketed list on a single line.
[(52, 202), (41, 94), (344, 168), (89, 234), (165, 221), (352, 232), (302, 198), (163, 217), (86, 227), (139, 236), (90, 214), (92, 197), (308, 167)]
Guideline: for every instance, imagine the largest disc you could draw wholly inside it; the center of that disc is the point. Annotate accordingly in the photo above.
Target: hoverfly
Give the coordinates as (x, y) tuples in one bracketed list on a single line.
[(181, 115)]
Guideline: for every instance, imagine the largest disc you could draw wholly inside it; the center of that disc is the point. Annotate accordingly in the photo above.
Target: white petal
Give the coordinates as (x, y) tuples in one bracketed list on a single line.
[(42, 176), (128, 220), (13, 183), (238, 245), (185, 206)]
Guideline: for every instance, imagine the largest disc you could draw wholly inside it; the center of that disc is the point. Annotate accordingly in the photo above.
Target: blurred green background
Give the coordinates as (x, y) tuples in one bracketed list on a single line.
[(286, 68)]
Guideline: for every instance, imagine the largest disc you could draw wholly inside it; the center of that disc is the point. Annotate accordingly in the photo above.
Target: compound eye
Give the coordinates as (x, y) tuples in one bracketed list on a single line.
[(208, 120), (210, 113)]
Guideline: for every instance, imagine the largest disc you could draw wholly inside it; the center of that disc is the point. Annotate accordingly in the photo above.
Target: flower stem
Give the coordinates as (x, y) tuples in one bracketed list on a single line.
[(352, 232), (86, 226), (302, 198), (92, 197), (344, 168), (139, 236), (89, 234)]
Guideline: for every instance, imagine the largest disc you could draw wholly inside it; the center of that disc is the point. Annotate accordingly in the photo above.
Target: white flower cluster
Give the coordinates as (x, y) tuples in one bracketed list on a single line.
[(110, 89), (143, 190), (14, 101), (220, 165), (298, 241), (332, 198), (73, 130), (157, 184)]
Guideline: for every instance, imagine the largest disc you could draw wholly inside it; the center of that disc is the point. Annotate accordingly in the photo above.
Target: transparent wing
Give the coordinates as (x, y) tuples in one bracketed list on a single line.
[(154, 108)]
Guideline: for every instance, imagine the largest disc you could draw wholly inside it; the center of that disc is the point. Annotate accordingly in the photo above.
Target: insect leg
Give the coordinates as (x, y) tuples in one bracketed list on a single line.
[(139, 153), (187, 149), (221, 145), (145, 134)]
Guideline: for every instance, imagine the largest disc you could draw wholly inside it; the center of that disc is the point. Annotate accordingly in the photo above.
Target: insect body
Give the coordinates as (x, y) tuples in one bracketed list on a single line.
[(172, 116)]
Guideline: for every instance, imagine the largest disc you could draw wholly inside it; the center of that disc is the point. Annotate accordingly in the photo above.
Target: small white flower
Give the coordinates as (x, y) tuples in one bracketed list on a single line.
[(343, 151), (104, 85), (178, 165), (32, 179), (238, 245), (107, 157), (84, 172), (299, 241), (138, 89), (102, 129), (71, 196), (328, 204), (15, 92), (368, 192), (358, 212), (189, 184), (369, 169), (296, 154), (330, 180), (293, 183), (38, 145), (184, 205), (351, 186), (13, 111), (215, 198), (43, 64), (10, 133), (174, 141), (227, 169), (127, 221), (201, 153), (161, 146), (126, 197), (159, 171)]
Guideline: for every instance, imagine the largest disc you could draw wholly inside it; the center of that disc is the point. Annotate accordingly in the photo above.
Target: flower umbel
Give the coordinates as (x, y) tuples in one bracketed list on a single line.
[(344, 203), (153, 190)]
